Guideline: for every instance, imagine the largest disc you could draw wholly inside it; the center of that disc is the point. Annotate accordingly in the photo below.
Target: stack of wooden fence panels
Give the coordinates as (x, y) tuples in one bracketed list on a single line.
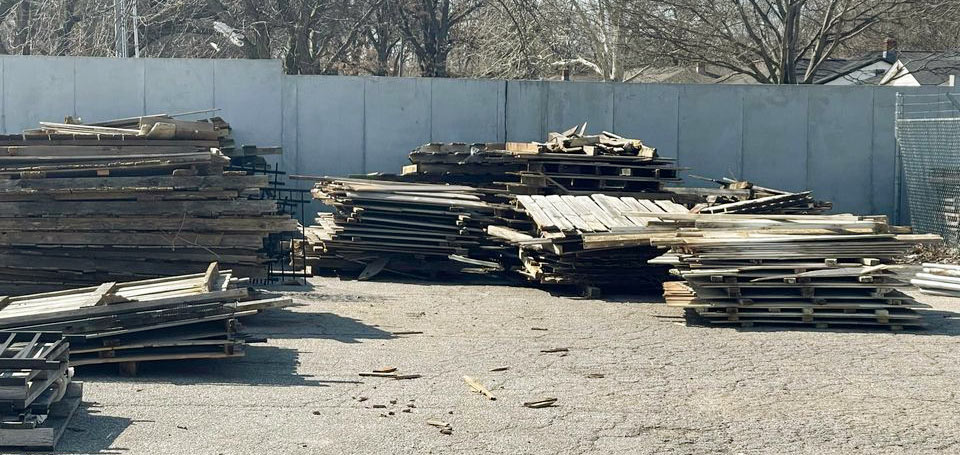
[(179, 317), (560, 251), (83, 204), (37, 396), (568, 163), (938, 279), (806, 270), (400, 227)]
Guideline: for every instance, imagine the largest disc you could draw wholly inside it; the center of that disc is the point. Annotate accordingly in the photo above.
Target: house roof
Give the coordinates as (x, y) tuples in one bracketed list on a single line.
[(835, 68), (931, 68), (673, 75), (829, 70)]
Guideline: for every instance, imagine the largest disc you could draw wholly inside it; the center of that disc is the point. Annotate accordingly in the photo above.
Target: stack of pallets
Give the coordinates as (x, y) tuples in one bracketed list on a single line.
[(180, 317), (564, 247), (83, 204), (568, 163), (807, 270), (400, 227), (37, 396)]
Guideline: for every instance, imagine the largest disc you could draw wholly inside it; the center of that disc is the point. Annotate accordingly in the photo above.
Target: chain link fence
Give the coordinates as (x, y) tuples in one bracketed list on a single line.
[(928, 135)]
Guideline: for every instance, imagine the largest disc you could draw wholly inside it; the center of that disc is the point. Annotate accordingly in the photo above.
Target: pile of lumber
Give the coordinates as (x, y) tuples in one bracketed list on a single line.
[(822, 271), (83, 204), (180, 317), (578, 240), (37, 396), (163, 126), (938, 279), (569, 163), (404, 228), (745, 197)]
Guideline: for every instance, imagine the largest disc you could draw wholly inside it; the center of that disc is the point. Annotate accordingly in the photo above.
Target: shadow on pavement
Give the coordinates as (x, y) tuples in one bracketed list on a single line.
[(324, 325), (262, 365), (91, 432)]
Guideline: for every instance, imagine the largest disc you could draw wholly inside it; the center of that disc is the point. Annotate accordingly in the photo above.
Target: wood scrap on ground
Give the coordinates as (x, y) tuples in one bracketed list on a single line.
[(543, 403), (389, 372), (476, 386)]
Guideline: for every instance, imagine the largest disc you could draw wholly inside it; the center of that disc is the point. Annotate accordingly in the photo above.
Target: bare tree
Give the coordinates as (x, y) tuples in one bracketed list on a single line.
[(765, 39), (426, 26), (602, 44)]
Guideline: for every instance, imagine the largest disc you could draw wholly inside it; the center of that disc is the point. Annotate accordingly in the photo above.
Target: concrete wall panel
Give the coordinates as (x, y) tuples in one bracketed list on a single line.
[(117, 80), (649, 113), (330, 125), (839, 166), (775, 137), (37, 89), (572, 103), (248, 94), (526, 111), (397, 120), (711, 124), (178, 85), (465, 110)]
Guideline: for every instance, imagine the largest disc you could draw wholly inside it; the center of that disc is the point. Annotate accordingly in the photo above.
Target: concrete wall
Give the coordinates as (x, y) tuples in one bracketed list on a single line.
[(837, 141)]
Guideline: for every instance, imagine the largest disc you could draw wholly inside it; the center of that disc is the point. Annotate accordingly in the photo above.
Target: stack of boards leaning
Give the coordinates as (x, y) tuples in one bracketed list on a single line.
[(131, 199)]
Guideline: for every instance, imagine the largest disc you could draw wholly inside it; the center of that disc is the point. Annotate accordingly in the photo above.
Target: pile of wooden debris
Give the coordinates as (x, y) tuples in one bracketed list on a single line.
[(82, 204), (791, 269), (748, 198)]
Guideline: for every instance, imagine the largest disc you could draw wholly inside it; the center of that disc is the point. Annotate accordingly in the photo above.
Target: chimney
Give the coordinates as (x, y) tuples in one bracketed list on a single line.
[(565, 73), (700, 69), (890, 50)]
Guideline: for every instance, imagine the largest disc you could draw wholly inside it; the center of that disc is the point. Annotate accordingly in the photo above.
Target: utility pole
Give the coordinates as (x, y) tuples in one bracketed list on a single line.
[(136, 31), (120, 18)]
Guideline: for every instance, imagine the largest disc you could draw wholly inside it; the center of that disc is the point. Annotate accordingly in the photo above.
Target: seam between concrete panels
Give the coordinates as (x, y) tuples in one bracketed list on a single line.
[(363, 121), (806, 162), (74, 77), (429, 107), (3, 92), (213, 83)]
